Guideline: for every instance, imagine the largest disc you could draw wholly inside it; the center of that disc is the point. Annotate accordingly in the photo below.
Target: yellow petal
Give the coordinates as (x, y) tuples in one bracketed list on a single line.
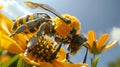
[(1, 27), (4, 28), (10, 45), (77, 65), (39, 63), (28, 60), (101, 41), (46, 64), (110, 45), (6, 23), (4, 58), (20, 38), (57, 64), (0, 38), (67, 64), (1, 7), (61, 56), (91, 37)]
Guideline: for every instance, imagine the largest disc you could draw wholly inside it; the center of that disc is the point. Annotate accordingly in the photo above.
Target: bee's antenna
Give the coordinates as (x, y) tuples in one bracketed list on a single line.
[(46, 7)]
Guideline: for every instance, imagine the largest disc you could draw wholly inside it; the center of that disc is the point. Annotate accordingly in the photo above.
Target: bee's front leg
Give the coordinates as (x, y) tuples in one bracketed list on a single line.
[(68, 58), (53, 56), (41, 29)]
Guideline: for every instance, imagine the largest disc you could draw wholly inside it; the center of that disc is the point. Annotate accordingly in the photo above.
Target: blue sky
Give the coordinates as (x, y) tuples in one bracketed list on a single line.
[(103, 16)]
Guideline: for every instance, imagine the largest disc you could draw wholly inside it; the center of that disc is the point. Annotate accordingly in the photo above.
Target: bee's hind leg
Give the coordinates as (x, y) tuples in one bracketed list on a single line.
[(19, 30)]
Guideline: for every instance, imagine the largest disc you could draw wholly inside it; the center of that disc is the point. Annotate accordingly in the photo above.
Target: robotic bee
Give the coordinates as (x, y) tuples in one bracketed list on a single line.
[(42, 24)]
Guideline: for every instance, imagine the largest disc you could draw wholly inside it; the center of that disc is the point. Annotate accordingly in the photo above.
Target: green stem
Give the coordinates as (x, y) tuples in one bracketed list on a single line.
[(7, 64)]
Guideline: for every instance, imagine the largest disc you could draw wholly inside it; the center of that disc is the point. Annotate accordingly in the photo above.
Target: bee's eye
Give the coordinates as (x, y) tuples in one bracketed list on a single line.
[(79, 39), (76, 44)]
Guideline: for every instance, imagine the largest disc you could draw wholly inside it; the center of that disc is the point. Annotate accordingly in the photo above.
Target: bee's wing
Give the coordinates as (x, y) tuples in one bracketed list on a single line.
[(46, 7)]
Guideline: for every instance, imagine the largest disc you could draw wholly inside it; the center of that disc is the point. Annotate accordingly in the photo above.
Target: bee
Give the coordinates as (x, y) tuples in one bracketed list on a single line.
[(37, 22), (42, 24)]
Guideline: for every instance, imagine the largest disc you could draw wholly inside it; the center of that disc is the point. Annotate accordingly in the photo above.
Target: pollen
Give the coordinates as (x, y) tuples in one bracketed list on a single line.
[(43, 49), (64, 29)]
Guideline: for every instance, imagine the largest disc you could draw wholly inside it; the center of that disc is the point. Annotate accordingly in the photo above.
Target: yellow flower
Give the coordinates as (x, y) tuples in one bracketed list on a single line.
[(1, 7), (97, 46), (64, 29), (18, 41), (17, 45), (54, 63), (4, 58)]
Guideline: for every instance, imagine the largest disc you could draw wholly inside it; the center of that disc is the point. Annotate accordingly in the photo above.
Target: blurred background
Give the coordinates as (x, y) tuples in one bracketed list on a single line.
[(103, 16)]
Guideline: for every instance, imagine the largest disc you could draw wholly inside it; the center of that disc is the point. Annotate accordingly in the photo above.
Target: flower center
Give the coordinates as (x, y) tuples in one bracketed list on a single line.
[(43, 49)]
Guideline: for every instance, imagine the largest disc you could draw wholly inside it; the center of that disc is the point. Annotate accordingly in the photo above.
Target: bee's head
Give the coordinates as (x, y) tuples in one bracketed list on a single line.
[(76, 43)]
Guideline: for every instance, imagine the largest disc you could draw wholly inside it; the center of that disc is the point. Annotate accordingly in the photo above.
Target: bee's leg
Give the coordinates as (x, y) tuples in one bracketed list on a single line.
[(29, 24), (68, 58), (68, 54), (34, 40), (85, 57), (53, 56), (19, 30), (41, 29), (25, 53), (30, 44), (14, 27)]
